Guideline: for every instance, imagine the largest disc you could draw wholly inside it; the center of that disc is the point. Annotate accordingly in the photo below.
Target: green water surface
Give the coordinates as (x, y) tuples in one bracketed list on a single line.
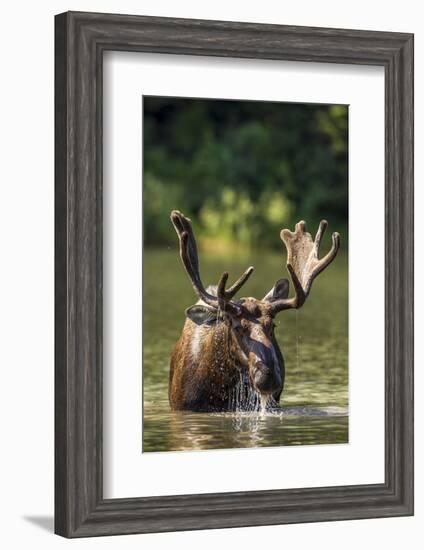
[(314, 342)]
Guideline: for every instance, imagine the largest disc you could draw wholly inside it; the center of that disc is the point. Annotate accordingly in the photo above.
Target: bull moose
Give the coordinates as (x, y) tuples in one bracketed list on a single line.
[(227, 357)]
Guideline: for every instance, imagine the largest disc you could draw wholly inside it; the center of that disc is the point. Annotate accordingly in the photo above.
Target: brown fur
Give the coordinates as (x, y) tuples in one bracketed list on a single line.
[(202, 381), (207, 360), (228, 347)]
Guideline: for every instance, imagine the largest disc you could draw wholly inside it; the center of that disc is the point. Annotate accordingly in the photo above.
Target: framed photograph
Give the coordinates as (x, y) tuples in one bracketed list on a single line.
[(234, 274)]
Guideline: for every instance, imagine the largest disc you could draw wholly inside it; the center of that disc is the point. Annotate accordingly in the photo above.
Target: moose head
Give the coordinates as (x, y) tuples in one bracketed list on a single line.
[(228, 341)]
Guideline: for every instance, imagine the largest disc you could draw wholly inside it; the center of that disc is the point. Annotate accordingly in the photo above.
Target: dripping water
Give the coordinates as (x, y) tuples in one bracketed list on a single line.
[(298, 343), (243, 397), (264, 402)]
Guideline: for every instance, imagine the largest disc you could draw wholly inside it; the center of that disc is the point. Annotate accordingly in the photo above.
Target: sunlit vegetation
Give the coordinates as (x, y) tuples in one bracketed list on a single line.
[(242, 169)]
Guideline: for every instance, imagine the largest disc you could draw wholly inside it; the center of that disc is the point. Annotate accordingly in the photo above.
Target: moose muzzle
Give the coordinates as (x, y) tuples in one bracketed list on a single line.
[(265, 373), (265, 378)]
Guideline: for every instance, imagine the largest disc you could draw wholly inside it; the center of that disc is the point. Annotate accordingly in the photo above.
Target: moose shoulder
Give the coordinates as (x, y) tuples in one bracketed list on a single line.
[(227, 357)]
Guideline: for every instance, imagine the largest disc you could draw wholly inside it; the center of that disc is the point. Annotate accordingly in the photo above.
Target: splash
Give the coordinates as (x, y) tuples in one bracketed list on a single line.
[(264, 402), (243, 397)]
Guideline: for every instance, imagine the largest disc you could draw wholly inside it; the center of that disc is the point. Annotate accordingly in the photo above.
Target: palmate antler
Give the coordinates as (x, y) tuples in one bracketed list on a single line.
[(303, 263), (190, 259)]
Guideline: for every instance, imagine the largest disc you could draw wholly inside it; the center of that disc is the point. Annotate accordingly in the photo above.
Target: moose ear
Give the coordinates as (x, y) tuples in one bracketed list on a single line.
[(279, 291), (201, 315)]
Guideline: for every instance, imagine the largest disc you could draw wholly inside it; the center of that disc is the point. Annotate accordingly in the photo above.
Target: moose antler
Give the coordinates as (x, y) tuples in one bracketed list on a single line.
[(190, 259), (303, 263)]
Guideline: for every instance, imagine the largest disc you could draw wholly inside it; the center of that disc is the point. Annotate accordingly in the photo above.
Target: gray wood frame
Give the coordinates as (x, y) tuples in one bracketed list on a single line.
[(80, 40)]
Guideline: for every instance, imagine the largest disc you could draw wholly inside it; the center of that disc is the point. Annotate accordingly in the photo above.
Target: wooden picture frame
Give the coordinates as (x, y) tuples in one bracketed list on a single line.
[(81, 39)]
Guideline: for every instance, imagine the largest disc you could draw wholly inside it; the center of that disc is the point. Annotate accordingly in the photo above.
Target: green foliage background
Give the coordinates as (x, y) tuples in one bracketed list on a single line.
[(243, 169)]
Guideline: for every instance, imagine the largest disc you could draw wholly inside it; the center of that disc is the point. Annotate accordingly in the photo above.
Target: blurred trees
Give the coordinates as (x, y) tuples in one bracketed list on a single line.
[(243, 169)]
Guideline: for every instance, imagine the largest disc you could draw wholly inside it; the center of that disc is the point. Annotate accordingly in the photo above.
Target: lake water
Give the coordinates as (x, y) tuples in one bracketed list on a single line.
[(314, 342)]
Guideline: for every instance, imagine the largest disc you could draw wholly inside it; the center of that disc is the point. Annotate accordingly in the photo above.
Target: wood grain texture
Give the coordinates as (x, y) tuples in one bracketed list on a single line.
[(81, 39)]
